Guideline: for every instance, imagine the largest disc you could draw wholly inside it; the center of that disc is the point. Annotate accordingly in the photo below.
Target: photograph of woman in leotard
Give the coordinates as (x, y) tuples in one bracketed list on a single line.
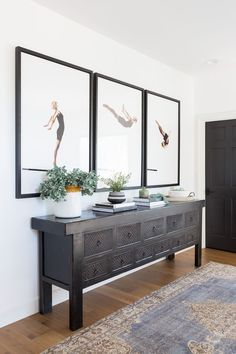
[(165, 136), (60, 131), (126, 120)]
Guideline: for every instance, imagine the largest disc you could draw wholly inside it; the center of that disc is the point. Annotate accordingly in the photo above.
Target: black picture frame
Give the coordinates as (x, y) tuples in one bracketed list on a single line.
[(18, 113), (96, 78), (147, 168)]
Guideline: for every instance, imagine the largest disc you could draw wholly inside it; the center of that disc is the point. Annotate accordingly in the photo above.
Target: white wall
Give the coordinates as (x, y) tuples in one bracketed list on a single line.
[(214, 100), (24, 23), (215, 90)]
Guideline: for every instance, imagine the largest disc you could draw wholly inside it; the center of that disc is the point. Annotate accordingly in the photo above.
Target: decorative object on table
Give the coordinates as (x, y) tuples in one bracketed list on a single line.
[(180, 194), (116, 197), (154, 200), (143, 193), (194, 314), (114, 208), (65, 189), (143, 202), (116, 183), (119, 122), (163, 140), (52, 118)]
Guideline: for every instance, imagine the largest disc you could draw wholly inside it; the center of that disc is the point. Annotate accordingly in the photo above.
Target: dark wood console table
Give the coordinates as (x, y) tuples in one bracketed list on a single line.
[(76, 253)]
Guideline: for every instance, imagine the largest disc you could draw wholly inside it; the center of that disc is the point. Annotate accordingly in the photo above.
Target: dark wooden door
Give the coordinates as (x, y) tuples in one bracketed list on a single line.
[(221, 185)]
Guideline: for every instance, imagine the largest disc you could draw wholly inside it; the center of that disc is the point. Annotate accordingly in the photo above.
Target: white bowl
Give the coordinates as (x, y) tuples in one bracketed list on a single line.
[(180, 194)]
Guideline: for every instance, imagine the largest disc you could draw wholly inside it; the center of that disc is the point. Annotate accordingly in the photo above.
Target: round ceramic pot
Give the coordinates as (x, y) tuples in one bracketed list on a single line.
[(144, 193), (71, 206), (116, 197)]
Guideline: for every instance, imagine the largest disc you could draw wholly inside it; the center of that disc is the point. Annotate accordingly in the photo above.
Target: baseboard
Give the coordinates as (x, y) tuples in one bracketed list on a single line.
[(16, 313)]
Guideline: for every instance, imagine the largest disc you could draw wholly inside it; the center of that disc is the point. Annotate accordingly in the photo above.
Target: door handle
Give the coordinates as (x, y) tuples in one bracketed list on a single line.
[(208, 191)]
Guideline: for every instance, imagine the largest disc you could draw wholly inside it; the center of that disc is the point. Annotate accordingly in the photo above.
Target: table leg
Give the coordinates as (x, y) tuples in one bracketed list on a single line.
[(76, 308), (171, 256), (198, 255), (45, 303), (198, 247), (76, 287), (45, 289)]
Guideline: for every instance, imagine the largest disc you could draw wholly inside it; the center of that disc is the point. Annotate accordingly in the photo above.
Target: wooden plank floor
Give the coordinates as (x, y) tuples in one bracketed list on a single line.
[(36, 333)]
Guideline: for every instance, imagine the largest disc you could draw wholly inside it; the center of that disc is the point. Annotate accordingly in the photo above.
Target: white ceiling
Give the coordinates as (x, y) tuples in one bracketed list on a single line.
[(181, 33)]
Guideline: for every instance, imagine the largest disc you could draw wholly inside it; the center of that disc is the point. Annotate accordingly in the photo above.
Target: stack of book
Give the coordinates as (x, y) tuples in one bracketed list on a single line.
[(114, 208), (149, 203)]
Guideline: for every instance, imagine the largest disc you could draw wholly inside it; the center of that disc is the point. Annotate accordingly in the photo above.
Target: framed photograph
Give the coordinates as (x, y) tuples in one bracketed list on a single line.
[(118, 129), (162, 161), (53, 118)]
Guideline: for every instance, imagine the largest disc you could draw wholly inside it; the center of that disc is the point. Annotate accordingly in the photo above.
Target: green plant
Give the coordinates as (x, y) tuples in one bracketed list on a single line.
[(54, 185), (117, 182)]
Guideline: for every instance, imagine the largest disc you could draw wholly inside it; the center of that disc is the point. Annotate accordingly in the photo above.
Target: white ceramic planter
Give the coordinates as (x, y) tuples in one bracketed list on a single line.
[(71, 207)]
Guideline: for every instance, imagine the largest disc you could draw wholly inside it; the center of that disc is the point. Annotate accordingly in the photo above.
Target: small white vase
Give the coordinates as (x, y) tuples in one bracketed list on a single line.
[(71, 206)]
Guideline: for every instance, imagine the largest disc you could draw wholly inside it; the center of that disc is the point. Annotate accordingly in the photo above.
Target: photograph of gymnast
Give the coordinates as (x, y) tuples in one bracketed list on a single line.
[(56, 115), (125, 119), (119, 120), (165, 136), (52, 117), (162, 153)]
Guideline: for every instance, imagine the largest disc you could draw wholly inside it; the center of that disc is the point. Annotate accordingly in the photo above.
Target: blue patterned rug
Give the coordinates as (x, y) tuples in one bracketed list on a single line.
[(195, 314)]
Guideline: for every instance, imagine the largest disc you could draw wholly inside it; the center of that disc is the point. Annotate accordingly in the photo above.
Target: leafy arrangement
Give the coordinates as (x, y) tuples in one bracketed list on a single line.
[(118, 181), (54, 186)]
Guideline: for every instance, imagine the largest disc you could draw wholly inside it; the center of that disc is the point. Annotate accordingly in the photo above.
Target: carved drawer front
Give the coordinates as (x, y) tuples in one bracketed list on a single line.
[(128, 234), (122, 260), (153, 228), (97, 242), (191, 218), (95, 269), (174, 222), (163, 246), (143, 253), (178, 241), (191, 236)]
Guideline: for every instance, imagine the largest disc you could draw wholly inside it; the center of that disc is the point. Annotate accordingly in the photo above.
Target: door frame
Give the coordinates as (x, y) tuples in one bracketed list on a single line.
[(201, 119)]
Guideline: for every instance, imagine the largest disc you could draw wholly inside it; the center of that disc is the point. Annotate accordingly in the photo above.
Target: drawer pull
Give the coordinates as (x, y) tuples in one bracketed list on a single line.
[(178, 242), (143, 254), (129, 234), (174, 222), (98, 243), (122, 261), (154, 228), (191, 219), (95, 271), (162, 247)]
